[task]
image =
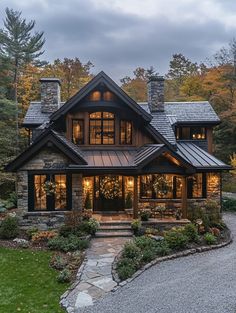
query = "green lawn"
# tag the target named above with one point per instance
(27, 283)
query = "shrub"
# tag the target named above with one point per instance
(31, 231)
(144, 242)
(190, 230)
(66, 244)
(131, 251)
(136, 226)
(58, 261)
(9, 228)
(66, 231)
(209, 239)
(125, 268)
(43, 236)
(229, 204)
(148, 255)
(162, 248)
(176, 239)
(11, 201)
(151, 231)
(144, 215)
(64, 276)
(89, 227)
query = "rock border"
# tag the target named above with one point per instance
(161, 259)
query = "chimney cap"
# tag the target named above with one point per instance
(50, 80)
(156, 78)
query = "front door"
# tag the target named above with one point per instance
(108, 193)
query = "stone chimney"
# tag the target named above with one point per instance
(155, 90)
(50, 94)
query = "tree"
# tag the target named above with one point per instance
(180, 68)
(21, 47)
(72, 72)
(136, 87)
(7, 142)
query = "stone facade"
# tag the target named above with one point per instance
(48, 158)
(50, 94)
(156, 93)
(77, 192)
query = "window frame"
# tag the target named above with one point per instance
(50, 200)
(179, 132)
(126, 121)
(102, 119)
(77, 120)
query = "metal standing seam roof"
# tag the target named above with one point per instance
(198, 157)
(146, 151)
(109, 158)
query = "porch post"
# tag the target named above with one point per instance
(184, 196)
(135, 200)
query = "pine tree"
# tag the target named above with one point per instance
(20, 47)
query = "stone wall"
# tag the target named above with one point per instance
(47, 159)
(77, 192)
(156, 93)
(50, 95)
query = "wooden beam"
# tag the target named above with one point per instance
(184, 196)
(135, 200)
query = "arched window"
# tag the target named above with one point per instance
(102, 128)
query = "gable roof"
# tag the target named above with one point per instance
(192, 112)
(187, 112)
(72, 151)
(98, 79)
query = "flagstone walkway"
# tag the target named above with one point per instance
(94, 278)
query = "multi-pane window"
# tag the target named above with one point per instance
(197, 186)
(160, 186)
(60, 192)
(40, 201)
(125, 132)
(191, 133)
(102, 128)
(168, 186)
(49, 192)
(78, 132)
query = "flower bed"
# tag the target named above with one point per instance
(145, 249)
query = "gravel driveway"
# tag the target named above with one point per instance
(201, 283)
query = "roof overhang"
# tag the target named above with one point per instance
(47, 139)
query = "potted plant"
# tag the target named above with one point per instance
(144, 215)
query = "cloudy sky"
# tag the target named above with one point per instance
(119, 35)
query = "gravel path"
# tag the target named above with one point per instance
(203, 283)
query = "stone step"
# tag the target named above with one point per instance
(115, 223)
(114, 228)
(109, 234)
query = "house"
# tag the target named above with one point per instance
(104, 147)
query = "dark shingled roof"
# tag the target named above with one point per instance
(76, 149)
(34, 116)
(192, 112)
(198, 157)
(162, 124)
(187, 112)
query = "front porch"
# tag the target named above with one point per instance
(123, 198)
